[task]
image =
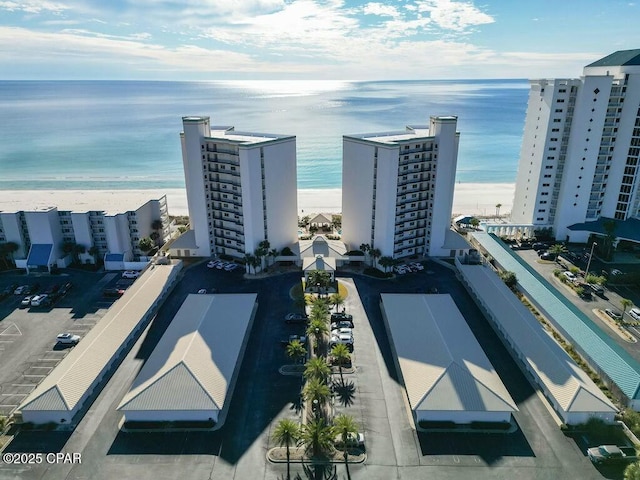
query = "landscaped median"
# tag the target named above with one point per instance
(297, 455)
(617, 328)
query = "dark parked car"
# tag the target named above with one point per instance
(295, 318)
(52, 289)
(539, 246)
(65, 289)
(112, 292)
(4, 293)
(548, 256)
(336, 317)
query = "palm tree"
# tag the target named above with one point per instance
(94, 251)
(498, 205)
(319, 279)
(317, 368)
(342, 356)
(625, 303)
(156, 224)
(317, 327)
(336, 221)
(255, 263)
(474, 222)
(316, 391)
(557, 249)
(632, 472)
(247, 262)
(364, 248)
(295, 350)
(345, 427)
(287, 433)
(273, 253)
(375, 254)
(146, 244)
(609, 238)
(385, 262)
(78, 250)
(336, 299)
(317, 437)
(11, 248)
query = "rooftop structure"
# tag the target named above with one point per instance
(570, 391)
(605, 355)
(191, 372)
(62, 394)
(446, 373)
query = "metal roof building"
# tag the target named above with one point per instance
(446, 373)
(604, 355)
(570, 391)
(191, 373)
(66, 389)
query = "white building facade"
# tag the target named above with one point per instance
(580, 149)
(397, 188)
(241, 188)
(105, 231)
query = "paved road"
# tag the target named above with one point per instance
(537, 451)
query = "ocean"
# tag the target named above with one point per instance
(107, 135)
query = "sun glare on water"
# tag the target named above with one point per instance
(288, 88)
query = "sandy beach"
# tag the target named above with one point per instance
(469, 198)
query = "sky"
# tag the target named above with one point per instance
(309, 39)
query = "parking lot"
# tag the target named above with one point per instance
(28, 346)
(538, 450)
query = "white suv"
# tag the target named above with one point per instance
(68, 338)
(635, 313)
(130, 274)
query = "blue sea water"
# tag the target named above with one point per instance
(125, 134)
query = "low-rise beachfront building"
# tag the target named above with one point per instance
(103, 227)
(191, 373)
(241, 189)
(446, 374)
(397, 188)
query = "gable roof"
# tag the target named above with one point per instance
(193, 364)
(68, 383)
(619, 58)
(320, 218)
(443, 366)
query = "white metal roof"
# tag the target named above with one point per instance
(63, 388)
(571, 387)
(192, 366)
(443, 366)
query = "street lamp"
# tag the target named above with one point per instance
(586, 273)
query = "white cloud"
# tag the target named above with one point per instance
(33, 6)
(374, 8)
(452, 15)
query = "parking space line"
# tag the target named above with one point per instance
(14, 328)
(49, 368)
(48, 359)
(13, 394)
(6, 341)
(22, 385)
(33, 376)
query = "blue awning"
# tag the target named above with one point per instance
(39, 255)
(628, 229)
(114, 257)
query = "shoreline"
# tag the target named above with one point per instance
(468, 198)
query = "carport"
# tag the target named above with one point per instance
(447, 376)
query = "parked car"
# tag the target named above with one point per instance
(611, 454)
(342, 324)
(615, 271)
(301, 338)
(212, 263)
(353, 440)
(569, 276)
(51, 289)
(68, 339)
(231, 266)
(295, 318)
(539, 246)
(202, 291)
(112, 292)
(342, 338)
(597, 289)
(336, 317)
(635, 313)
(130, 274)
(39, 300)
(613, 314)
(26, 301)
(548, 256)
(417, 266)
(341, 331)
(21, 290)
(8, 290)
(65, 289)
